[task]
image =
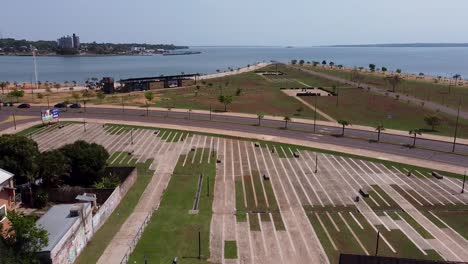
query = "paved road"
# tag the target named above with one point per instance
(394, 144)
(427, 104)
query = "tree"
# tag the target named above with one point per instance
(301, 62)
(22, 239)
(379, 128)
(331, 63)
(238, 91)
(394, 81)
(372, 67)
(315, 63)
(87, 162)
(433, 121)
(415, 133)
(293, 62)
(384, 69)
(457, 77)
(3, 85)
(324, 62)
(286, 119)
(17, 94)
(54, 168)
(149, 97)
(18, 155)
(226, 100)
(260, 116)
(398, 71)
(40, 96)
(356, 77)
(344, 124)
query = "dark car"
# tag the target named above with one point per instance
(7, 104)
(24, 106)
(60, 105)
(75, 106)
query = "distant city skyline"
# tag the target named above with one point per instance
(240, 23)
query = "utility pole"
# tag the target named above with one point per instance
(377, 244)
(463, 185)
(316, 162)
(315, 112)
(456, 128)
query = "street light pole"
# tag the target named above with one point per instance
(199, 242)
(210, 112)
(463, 185)
(377, 244)
(316, 162)
(14, 120)
(315, 112)
(456, 128)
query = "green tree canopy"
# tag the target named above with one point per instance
(433, 121)
(87, 162)
(54, 168)
(18, 155)
(226, 100)
(23, 239)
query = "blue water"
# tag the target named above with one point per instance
(431, 61)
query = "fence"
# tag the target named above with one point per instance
(137, 237)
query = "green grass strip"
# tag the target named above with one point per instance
(230, 249)
(172, 231)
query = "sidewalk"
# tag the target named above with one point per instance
(348, 150)
(281, 118)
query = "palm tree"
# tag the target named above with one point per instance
(286, 119)
(149, 97)
(456, 77)
(260, 116)
(394, 81)
(379, 128)
(415, 133)
(3, 85)
(344, 124)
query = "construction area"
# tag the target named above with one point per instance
(267, 202)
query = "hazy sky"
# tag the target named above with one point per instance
(238, 22)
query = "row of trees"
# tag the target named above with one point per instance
(80, 163)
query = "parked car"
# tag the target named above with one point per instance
(8, 104)
(75, 106)
(60, 105)
(24, 106)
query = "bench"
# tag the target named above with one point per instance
(437, 175)
(364, 193)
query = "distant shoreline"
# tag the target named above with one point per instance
(403, 45)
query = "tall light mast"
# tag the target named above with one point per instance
(35, 66)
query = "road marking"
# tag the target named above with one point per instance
(355, 219)
(354, 234)
(326, 231)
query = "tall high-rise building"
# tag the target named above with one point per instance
(69, 42)
(76, 41)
